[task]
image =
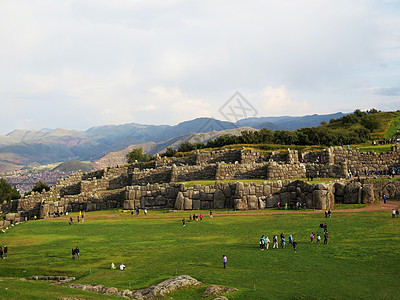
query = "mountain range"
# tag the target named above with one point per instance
(21, 148)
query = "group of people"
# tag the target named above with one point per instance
(265, 241)
(328, 213)
(318, 238)
(395, 213)
(121, 266)
(298, 206)
(80, 217)
(3, 252)
(137, 211)
(75, 253)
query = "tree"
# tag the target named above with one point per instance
(186, 147)
(137, 154)
(370, 122)
(323, 123)
(169, 152)
(7, 192)
(40, 186)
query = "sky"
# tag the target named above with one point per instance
(78, 64)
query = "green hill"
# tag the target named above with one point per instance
(74, 166)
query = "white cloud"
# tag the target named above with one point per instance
(277, 101)
(83, 63)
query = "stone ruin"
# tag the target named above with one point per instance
(156, 184)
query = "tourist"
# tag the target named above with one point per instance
(70, 221)
(190, 218)
(201, 218)
(132, 213)
(261, 244)
(183, 222)
(326, 213)
(275, 242)
(282, 235)
(122, 267)
(393, 213)
(312, 237)
(384, 198)
(283, 243)
(77, 218)
(224, 260)
(77, 252)
(325, 227)
(5, 250)
(397, 213)
(267, 241)
(295, 246)
(279, 206)
(285, 206)
(73, 253)
(211, 214)
(145, 212)
(321, 226)
(326, 237)
(83, 217)
(329, 213)
(318, 239)
(66, 213)
(1, 253)
(112, 266)
(290, 239)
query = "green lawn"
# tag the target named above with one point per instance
(361, 260)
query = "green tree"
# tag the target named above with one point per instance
(186, 147)
(7, 192)
(40, 186)
(137, 154)
(169, 152)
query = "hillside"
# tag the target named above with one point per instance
(118, 157)
(74, 166)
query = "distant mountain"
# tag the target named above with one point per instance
(74, 166)
(23, 147)
(287, 122)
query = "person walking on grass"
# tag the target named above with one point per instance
(325, 227)
(393, 213)
(5, 250)
(322, 227)
(73, 253)
(384, 198)
(295, 246)
(77, 253)
(318, 239)
(290, 239)
(183, 222)
(224, 260)
(261, 244)
(211, 215)
(329, 213)
(1, 253)
(283, 243)
(397, 213)
(326, 237)
(275, 242)
(267, 241)
(312, 237)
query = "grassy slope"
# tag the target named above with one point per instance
(358, 263)
(393, 128)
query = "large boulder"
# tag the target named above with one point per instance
(219, 199)
(179, 202)
(352, 193)
(368, 194)
(252, 202)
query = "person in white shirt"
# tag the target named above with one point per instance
(122, 267)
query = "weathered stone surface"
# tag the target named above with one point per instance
(179, 201)
(252, 202)
(168, 286)
(367, 194)
(219, 199)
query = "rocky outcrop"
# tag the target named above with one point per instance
(161, 289)
(214, 290)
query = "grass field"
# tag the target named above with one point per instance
(360, 261)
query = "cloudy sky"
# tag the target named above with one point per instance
(77, 64)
